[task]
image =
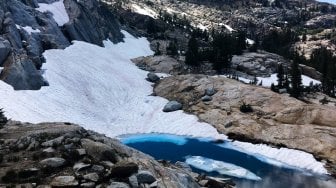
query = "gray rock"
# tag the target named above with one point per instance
(210, 91)
(54, 142)
(4, 49)
(124, 169)
(49, 150)
(22, 74)
(154, 185)
(64, 181)
(91, 177)
(98, 169)
(206, 98)
(98, 150)
(81, 152)
(88, 185)
(145, 177)
(118, 185)
(107, 164)
(53, 162)
(172, 106)
(152, 77)
(81, 166)
(133, 181)
(283, 90)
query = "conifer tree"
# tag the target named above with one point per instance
(192, 52)
(281, 76)
(296, 80)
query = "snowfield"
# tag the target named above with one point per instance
(58, 11)
(102, 90)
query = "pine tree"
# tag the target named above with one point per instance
(222, 51)
(296, 80)
(172, 48)
(281, 76)
(192, 53)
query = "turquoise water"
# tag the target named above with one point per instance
(207, 155)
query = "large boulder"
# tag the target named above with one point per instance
(23, 75)
(64, 181)
(145, 177)
(172, 106)
(99, 151)
(124, 169)
(53, 162)
(4, 49)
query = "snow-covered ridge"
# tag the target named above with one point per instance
(57, 9)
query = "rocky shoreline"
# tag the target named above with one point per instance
(276, 119)
(66, 155)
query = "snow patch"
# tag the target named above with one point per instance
(249, 41)
(267, 81)
(210, 165)
(60, 15)
(144, 11)
(281, 156)
(227, 27)
(28, 29)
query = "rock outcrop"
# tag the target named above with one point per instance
(80, 158)
(276, 118)
(26, 32)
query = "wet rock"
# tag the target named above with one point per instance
(124, 169)
(64, 181)
(152, 77)
(91, 177)
(145, 177)
(172, 106)
(118, 185)
(53, 162)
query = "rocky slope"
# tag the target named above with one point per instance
(26, 31)
(66, 155)
(276, 119)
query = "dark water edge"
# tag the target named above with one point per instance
(272, 176)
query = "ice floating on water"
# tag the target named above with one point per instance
(210, 165)
(178, 140)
